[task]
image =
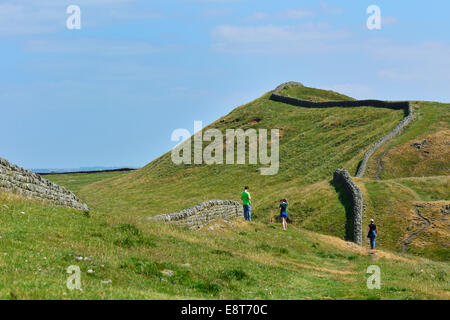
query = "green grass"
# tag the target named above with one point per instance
(402, 160)
(307, 93)
(75, 181)
(247, 262)
(428, 188)
(392, 204)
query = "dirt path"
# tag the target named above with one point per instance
(408, 240)
(380, 163)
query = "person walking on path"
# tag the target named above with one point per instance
(372, 234)
(246, 201)
(283, 213)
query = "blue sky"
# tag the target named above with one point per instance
(112, 92)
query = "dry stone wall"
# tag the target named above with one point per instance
(31, 185)
(343, 178)
(204, 213)
(395, 105)
(409, 117)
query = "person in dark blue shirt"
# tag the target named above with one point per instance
(372, 234)
(283, 212)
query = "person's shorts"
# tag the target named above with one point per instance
(283, 215)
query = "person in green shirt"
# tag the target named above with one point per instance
(246, 201)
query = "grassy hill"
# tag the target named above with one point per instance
(132, 259)
(313, 143)
(400, 158)
(405, 189)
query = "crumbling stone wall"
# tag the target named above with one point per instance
(204, 213)
(31, 185)
(343, 178)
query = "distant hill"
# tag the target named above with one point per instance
(80, 169)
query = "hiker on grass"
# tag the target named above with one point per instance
(245, 196)
(283, 212)
(372, 234)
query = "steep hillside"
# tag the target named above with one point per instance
(313, 143)
(150, 259)
(422, 150)
(412, 214)
(125, 258)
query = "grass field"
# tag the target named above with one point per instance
(131, 257)
(307, 93)
(400, 159)
(128, 256)
(392, 203)
(75, 181)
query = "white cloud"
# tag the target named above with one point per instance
(288, 14)
(330, 9)
(310, 37)
(93, 46)
(393, 74)
(217, 12)
(388, 20)
(355, 90)
(425, 61)
(19, 17)
(258, 16)
(430, 51)
(298, 13)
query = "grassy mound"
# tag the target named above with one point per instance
(313, 143)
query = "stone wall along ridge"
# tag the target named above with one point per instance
(395, 105)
